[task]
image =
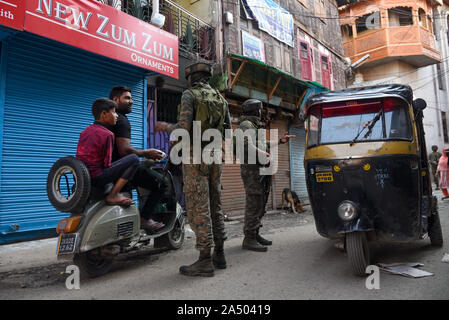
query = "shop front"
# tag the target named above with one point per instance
(56, 58)
(283, 96)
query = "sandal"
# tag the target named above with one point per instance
(124, 202)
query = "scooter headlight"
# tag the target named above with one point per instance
(347, 211)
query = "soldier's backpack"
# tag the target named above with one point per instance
(210, 108)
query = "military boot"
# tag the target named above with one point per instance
(262, 240)
(202, 267)
(218, 257)
(250, 243)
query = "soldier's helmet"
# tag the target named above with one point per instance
(198, 67)
(251, 105)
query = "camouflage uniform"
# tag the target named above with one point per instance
(202, 183)
(256, 196)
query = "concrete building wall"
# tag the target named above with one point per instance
(424, 82)
(430, 83)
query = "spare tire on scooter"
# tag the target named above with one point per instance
(68, 185)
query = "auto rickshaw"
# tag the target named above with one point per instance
(367, 169)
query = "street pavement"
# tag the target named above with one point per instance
(300, 265)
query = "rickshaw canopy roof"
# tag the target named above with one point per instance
(403, 92)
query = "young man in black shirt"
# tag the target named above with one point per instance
(144, 177)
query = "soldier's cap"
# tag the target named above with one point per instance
(198, 67)
(251, 105)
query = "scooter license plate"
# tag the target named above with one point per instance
(66, 243)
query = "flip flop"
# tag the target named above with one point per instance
(124, 202)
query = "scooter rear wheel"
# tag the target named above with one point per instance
(92, 264)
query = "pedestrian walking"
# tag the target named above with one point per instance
(202, 182)
(443, 171)
(434, 158)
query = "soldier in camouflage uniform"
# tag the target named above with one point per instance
(256, 186)
(202, 182)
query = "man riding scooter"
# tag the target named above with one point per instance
(145, 177)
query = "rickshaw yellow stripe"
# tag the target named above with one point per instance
(361, 149)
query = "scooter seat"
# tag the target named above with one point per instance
(100, 192)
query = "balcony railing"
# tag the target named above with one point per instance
(413, 43)
(195, 35)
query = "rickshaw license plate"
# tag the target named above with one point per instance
(324, 177)
(66, 243)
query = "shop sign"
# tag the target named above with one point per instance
(272, 18)
(252, 47)
(99, 28)
(12, 13)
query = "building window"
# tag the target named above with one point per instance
(422, 18)
(306, 60)
(325, 72)
(440, 77)
(400, 16)
(346, 32)
(287, 62)
(167, 105)
(368, 22)
(277, 57)
(443, 119)
(320, 9)
(447, 25)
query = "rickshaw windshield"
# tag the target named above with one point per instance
(359, 121)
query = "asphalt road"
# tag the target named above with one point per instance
(300, 265)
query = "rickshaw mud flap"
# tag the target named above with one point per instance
(361, 225)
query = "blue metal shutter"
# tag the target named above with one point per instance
(297, 172)
(50, 88)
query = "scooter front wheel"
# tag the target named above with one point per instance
(92, 264)
(175, 238)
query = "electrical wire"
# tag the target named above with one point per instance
(336, 17)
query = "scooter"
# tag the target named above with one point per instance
(95, 233)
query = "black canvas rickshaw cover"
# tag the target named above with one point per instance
(403, 92)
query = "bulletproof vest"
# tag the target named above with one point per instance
(210, 108)
(260, 143)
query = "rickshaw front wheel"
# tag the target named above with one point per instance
(435, 231)
(358, 252)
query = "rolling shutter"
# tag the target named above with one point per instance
(233, 194)
(233, 197)
(297, 149)
(50, 88)
(281, 179)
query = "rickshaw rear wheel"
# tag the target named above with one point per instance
(435, 231)
(358, 252)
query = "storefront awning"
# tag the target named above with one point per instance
(97, 28)
(252, 78)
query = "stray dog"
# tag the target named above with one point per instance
(292, 200)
